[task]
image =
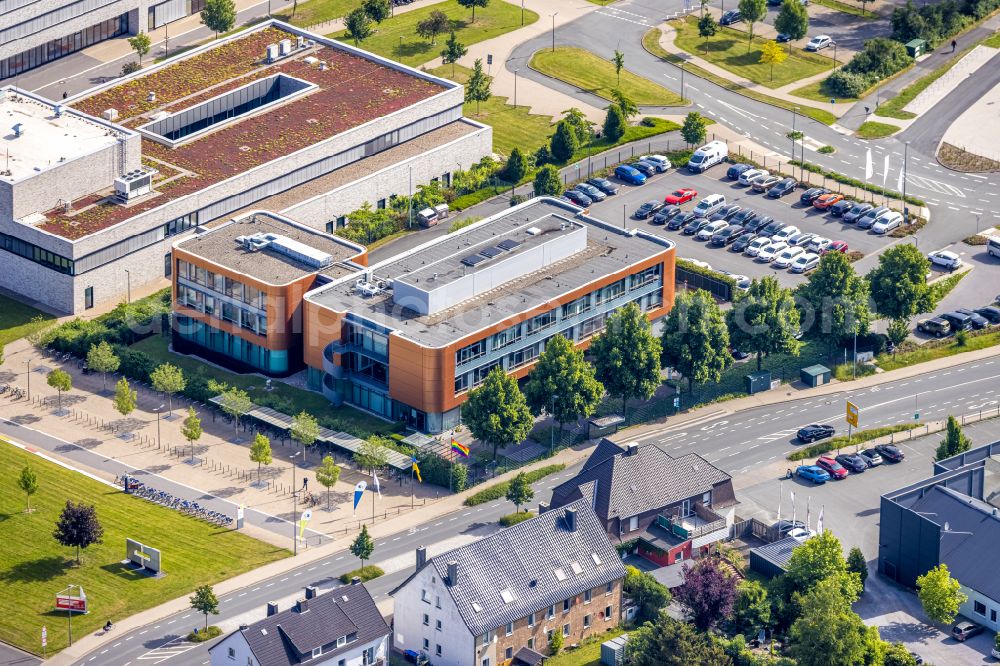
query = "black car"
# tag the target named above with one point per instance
(647, 209)
(744, 217)
(737, 170)
(578, 197)
(604, 185)
(857, 210)
(695, 225)
(758, 223)
(742, 242)
(838, 209)
(591, 191)
(646, 168)
(782, 188)
(959, 321)
(991, 313)
(812, 194)
(890, 452)
(730, 17)
(771, 229)
(681, 220)
(852, 462)
(663, 215)
(783, 37)
(727, 212)
(813, 432)
(978, 320)
(727, 235)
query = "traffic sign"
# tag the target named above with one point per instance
(853, 414)
(916, 416)
(45, 637)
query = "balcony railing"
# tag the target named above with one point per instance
(703, 521)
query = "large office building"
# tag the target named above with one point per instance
(94, 191)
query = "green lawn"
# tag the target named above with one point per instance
(728, 49)
(817, 91)
(16, 320)
(397, 37)
(596, 75)
(939, 349)
(318, 11)
(848, 8)
(875, 130)
(993, 41)
(34, 567)
(588, 654)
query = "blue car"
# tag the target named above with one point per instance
(813, 473)
(630, 175)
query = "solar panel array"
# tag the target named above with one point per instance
(491, 252)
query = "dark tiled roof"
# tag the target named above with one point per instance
(779, 552)
(524, 559)
(527, 657)
(289, 637)
(625, 485)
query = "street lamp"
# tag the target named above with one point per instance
(835, 54)
(522, 12)
(69, 610)
(554, 31)
(409, 204)
(552, 439)
(906, 209)
(128, 285)
(795, 111)
(295, 508)
(682, 81)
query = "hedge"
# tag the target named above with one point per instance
(827, 445)
(123, 326)
(499, 490)
(854, 182)
(515, 518)
(365, 573)
(705, 272)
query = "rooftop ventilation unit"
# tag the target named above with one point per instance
(272, 52)
(18, 129)
(59, 108)
(300, 42)
(285, 47)
(288, 247)
(134, 184)
(533, 231)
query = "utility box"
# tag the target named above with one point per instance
(815, 375)
(916, 47)
(758, 381)
(613, 651)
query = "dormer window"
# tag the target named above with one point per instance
(342, 641)
(317, 651)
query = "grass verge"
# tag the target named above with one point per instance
(943, 287)
(499, 490)
(365, 573)
(318, 11)
(587, 654)
(18, 320)
(515, 518)
(397, 38)
(827, 445)
(594, 74)
(943, 348)
(33, 566)
(847, 9)
(818, 91)
(871, 129)
(651, 42)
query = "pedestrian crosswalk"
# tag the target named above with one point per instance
(169, 649)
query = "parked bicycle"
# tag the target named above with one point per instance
(163, 498)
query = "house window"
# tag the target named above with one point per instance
(342, 662)
(437, 601)
(993, 615)
(486, 638)
(510, 628)
(317, 651)
(342, 641)
(610, 588)
(607, 612)
(341, 221)
(531, 620)
(167, 265)
(586, 622)
(232, 653)
(329, 227)
(680, 556)
(427, 619)
(486, 661)
(633, 523)
(979, 608)
(427, 644)
(437, 625)
(565, 630)
(586, 596)
(508, 653)
(88, 298)
(552, 612)
(531, 643)
(437, 649)
(424, 597)
(566, 605)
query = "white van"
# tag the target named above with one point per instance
(993, 246)
(712, 153)
(709, 205)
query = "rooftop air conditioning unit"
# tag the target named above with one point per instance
(59, 108)
(134, 184)
(272, 52)
(300, 42)
(151, 96)
(534, 231)
(110, 114)
(285, 47)
(18, 129)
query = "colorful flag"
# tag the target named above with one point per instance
(378, 487)
(459, 448)
(885, 170)
(900, 185)
(359, 490)
(304, 520)
(416, 468)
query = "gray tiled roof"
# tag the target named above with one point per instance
(524, 559)
(289, 637)
(779, 552)
(628, 485)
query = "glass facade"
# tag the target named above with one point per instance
(231, 346)
(58, 48)
(222, 297)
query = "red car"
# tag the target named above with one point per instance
(835, 246)
(825, 201)
(832, 467)
(680, 196)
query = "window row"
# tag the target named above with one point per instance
(223, 310)
(222, 284)
(57, 48)
(368, 340)
(36, 254)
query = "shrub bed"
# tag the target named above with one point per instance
(515, 518)
(879, 59)
(827, 445)
(499, 490)
(854, 182)
(203, 635)
(365, 573)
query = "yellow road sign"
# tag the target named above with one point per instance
(853, 414)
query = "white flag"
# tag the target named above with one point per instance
(819, 521)
(807, 510)
(869, 169)
(793, 507)
(885, 170)
(902, 177)
(378, 487)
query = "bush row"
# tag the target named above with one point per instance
(827, 445)
(938, 21)
(879, 59)
(705, 272)
(515, 518)
(499, 490)
(854, 182)
(125, 325)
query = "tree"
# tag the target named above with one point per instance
(695, 339)
(708, 592)
(752, 12)
(260, 452)
(496, 412)
(772, 54)
(792, 20)
(896, 654)
(954, 442)
(101, 358)
(651, 595)
(693, 129)
(818, 558)
(219, 16)
(619, 60)
(899, 286)
(141, 44)
(614, 123)
(304, 430)
(473, 4)
(519, 491)
(363, 546)
(453, 50)
(477, 88)
(372, 454)
(204, 601)
(61, 381)
(752, 608)
(547, 181)
(78, 527)
(432, 26)
(235, 402)
(377, 10)
(827, 632)
(837, 298)
(562, 383)
(27, 481)
(582, 128)
(555, 641)
(707, 27)
(857, 564)
(359, 26)
(563, 143)
(327, 475)
(940, 594)
(625, 103)
(764, 320)
(516, 167)
(672, 643)
(168, 379)
(191, 430)
(125, 398)
(627, 356)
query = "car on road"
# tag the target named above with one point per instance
(750, 175)
(835, 246)
(695, 225)
(731, 17)
(713, 203)
(659, 161)
(785, 258)
(765, 183)
(786, 233)
(838, 209)
(771, 252)
(710, 229)
(887, 223)
(771, 228)
(812, 194)
(681, 220)
(812, 473)
(990, 312)
(978, 320)
(814, 431)
(868, 220)
(756, 245)
(646, 167)
(964, 629)
(665, 214)
(629, 175)
(578, 197)
(742, 242)
(856, 211)
(591, 191)
(758, 223)
(604, 185)
(852, 462)
(733, 172)
(871, 457)
(805, 262)
(782, 187)
(945, 259)
(832, 467)
(647, 209)
(680, 196)
(819, 42)
(935, 326)
(818, 244)
(824, 201)
(890, 452)
(727, 235)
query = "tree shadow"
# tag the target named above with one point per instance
(156, 469)
(35, 571)
(229, 491)
(128, 425)
(7, 376)
(26, 419)
(717, 45)
(88, 443)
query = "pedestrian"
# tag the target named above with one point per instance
(64, 92)
(953, 45)
(867, 111)
(305, 484)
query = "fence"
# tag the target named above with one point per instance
(720, 289)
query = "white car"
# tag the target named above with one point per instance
(805, 262)
(801, 533)
(742, 281)
(770, 253)
(786, 234)
(711, 229)
(661, 162)
(945, 259)
(749, 175)
(756, 245)
(819, 42)
(818, 243)
(887, 223)
(801, 239)
(787, 256)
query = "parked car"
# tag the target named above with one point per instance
(645, 167)
(771, 252)
(782, 188)
(604, 185)
(978, 320)
(811, 433)
(758, 223)
(647, 209)
(756, 245)
(856, 211)
(727, 211)
(890, 452)
(805, 262)
(591, 191)
(680, 196)
(812, 194)
(707, 156)
(681, 220)
(742, 283)
(710, 229)
(750, 174)
(727, 235)
(835, 246)
(838, 209)
(665, 214)
(783, 527)
(801, 533)
(731, 17)
(660, 161)
(710, 204)
(742, 242)
(785, 258)
(824, 201)
(945, 259)
(817, 244)
(744, 217)
(919, 661)
(764, 183)
(812, 473)
(819, 42)
(852, 462)
(733, 172)
(935, 326)
(772, 228)
(629, 175)
(958, 321)
(871, 456)
(868, 220)
(832, 467)
(991, 313)
(887, 223)
(782, 37)
(578, 197)
(965, 629)
(695, 225)
(786, 233)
